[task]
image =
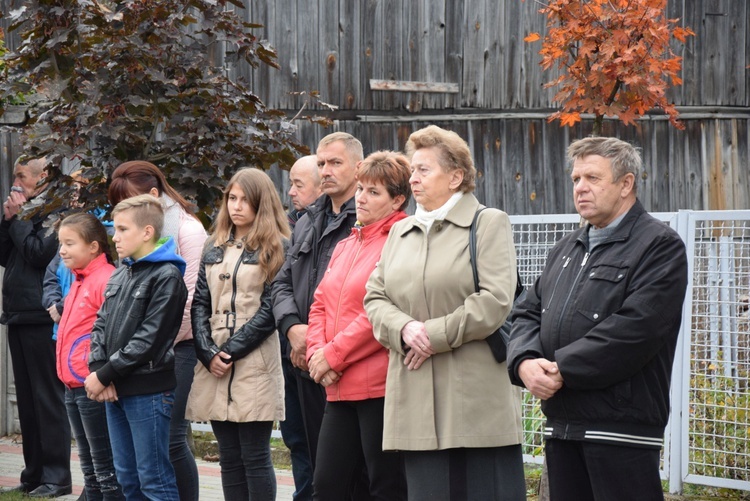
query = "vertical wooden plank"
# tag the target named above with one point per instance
(494, 76)
(433, 49)
(372, 67)
(394, 50)
(412, 64)
(287, 40)
(472, 79)
(455, 24)
(713, 65)
(515, 48)
(328, 34)
(350, 55)
(310, 50)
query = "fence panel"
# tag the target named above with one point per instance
(715, 393)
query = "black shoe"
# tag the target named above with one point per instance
(22, 488)
(51, 491)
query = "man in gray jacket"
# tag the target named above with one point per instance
(327, 221)
(595, 337)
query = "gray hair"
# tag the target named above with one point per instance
(624, 157)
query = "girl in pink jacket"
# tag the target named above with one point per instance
(85, 250)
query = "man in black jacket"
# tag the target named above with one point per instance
(596, 336)
(304, 190)
(326, 222)
(26, 248)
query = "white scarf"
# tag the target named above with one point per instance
(428, 217)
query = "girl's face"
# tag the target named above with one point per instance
(74, 251)
(240, 211)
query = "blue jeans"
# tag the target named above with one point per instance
(245, 459)
(88, 422)
(183, 461)
(139, 432)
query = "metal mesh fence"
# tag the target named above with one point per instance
(534, 236)
(718, 396)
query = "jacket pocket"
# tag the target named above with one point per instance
(111, 290)
(139, 300)
(78, 358)
(603, 292)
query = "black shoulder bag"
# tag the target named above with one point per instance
(499, 339)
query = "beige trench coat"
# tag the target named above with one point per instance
(459, 397)
(257, 387)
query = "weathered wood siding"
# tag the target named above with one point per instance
(522, 169)
(336, 47)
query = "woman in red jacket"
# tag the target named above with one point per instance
(342, 352)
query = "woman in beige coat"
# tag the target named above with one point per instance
(449, 406)
(238, 383)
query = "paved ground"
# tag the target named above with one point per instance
(11, 464)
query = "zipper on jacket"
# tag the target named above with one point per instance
(557, 282)
(573, 287)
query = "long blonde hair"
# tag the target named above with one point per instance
(270, 226)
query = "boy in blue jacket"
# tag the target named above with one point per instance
(131, 359)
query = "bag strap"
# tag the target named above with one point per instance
(473, 255)
(473, 247)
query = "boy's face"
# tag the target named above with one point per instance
(131, 240)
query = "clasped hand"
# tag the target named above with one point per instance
(415, 337)
(320, 369)
(541, 377)
(95, 390)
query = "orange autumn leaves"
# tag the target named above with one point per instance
(614, 58)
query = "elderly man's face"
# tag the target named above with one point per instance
(24, 178)
(598, 198)
(304, 187)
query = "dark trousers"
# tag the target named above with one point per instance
(584, 471)
(180, 455)
(293, 433)
(41, 405)
(88, 422)
(312, 401)
(245, 459)
(352, 437)
(466, 474)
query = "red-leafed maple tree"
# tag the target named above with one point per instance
(615, 58)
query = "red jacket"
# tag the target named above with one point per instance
(338, 322)
(81, 305)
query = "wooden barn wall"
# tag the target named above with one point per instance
(336, 47)
(522, 169)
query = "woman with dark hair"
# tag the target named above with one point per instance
(342, 353)
(239, 385)
(138, 178)
(449, 406)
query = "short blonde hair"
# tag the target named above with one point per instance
(146, 210)
(453, 152)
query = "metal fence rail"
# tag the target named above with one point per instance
(707, 440)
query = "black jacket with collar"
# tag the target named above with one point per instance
(133, 336)
(610, 319)
(310, 250)
(26, 248)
